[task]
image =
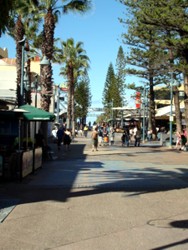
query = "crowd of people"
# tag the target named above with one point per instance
(132, 135)
(103, 134)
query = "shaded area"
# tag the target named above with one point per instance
(180, 224)
(72, 175)
(181, 242)
(78, 178)
(6, 206)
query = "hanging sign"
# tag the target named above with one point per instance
(138, 100)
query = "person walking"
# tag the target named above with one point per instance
(100, 136)
(149, 134)
(111, 135)
(178, 140)
(85, 130)
(125, 138)
(67, 139)
(183, 141)
(54, 134)
(131, 135)
(94, 137)
(60, 135)
(137, 137)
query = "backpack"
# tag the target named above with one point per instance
(100, 133)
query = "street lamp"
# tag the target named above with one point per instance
(45, 61)
(58, 94)
(36, 86)
(24, 78)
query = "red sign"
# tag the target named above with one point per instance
(138, 100)
(63, 87)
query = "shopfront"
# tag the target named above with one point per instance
(18, 155)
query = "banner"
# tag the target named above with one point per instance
(138, 100)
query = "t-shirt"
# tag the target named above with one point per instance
(60, 133)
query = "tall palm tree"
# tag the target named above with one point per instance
(23, 23)
(50, 10)
(19, 36)
(75, 64)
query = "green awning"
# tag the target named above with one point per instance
(36, 114)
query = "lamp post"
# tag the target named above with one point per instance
(58, 90)
(35, 85)
(24, 78)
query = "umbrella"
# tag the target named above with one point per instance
(36, 114)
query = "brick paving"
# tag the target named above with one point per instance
(115, 198)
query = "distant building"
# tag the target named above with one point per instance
(3, 53)
(8, 84)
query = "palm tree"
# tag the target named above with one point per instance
(50, 10)
(23, 23)
(75, 64)
(6, 7)
(19, 36)
(34, 10)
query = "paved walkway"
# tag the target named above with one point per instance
(115, 198)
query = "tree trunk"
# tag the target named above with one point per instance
(19, 34)
(73, 111)
(47, 50)
(69, 108)
(186, 100)
(46, 87)
(177, 109)
(151, 122)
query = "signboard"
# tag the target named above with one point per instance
(92, 115)
(138, 100)
(63, 87)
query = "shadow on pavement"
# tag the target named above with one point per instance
(56, 180)
(171, 245)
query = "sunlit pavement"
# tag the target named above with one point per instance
(131, 169)
(115, 198)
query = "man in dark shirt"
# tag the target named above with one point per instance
(60, 135)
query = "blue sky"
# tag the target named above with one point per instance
(100, 31)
